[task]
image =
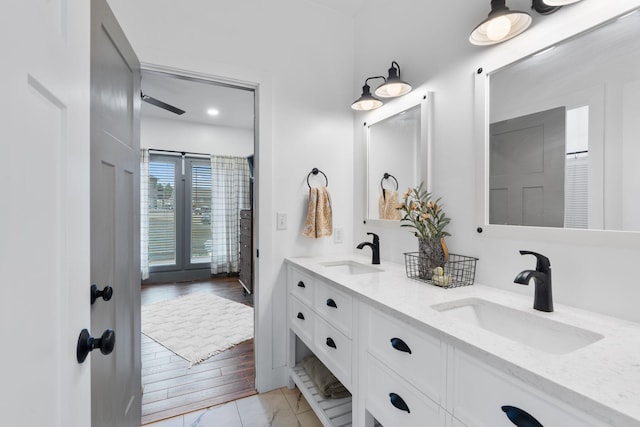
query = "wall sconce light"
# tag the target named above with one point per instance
(393, 86)
(367, 102)
(501, 25)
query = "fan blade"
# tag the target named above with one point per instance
(163, 105)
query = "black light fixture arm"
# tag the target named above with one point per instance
(392, 68)
(366, 82)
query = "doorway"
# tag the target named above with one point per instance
(199, 170)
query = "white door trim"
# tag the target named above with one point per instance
(268, 377)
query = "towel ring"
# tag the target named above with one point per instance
(387, 176)
(316, 171)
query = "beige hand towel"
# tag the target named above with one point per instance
(388, 205)
(319, 216)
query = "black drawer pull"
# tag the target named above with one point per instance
(520, 418)
(398, 402)
(332, 303)
(331, 343)
(300, 316)
(400, 345)
(301, 284)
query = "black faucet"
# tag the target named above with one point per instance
(543, 299)
(375, 248)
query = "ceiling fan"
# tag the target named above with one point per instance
(163, 105)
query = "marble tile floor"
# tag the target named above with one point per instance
(277, 408)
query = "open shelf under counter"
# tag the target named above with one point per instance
(331, 412)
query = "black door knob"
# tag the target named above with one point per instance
(106, 293)
(331, 343)
(301, 284)
(87, 343)
(300, 316)
(332, 303)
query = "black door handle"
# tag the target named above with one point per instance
(400, 345)
(398, 402)
(332, 303)
(300, 316)
(106, 293)
(520, 417)
(331, 343)
(301, 284)
(87, 343)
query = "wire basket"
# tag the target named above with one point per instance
(458, 270)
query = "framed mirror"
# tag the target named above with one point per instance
(561, 133)
(397, 145)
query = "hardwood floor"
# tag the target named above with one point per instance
(170, 387)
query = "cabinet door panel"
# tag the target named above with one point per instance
(335, 306)
(417, 357)
(334, 349)
(395, 403)
(301, 285)
(480, 391)
(301, 319)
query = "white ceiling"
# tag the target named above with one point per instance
(236, 106)
(349, 7)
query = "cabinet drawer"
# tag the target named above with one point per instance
(334, 349)
(301, 319)
(301, 286)
(384, 388)
(415, 356)
(479, 392)
(335, 306)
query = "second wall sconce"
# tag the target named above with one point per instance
(392, 87)
(503, 24)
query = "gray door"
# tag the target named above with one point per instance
(115, 219)
(527, 170)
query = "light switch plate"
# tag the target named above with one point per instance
(281, 221)
(338, 234)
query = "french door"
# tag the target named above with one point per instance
(180, 236)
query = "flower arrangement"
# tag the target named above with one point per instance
(423, 214)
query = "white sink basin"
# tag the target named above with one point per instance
(538, 332)
(350, 267)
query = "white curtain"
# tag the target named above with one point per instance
(229, 195)
(144, 213)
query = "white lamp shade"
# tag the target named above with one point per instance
(366, 104)
(559, 2)
(500, 27)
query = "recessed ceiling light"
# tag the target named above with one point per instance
(213, 112)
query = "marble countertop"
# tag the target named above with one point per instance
(601, 379)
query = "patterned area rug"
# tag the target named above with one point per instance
(197, 326)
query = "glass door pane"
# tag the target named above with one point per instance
(162, 213)
(200, 212)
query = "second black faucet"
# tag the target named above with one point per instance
(375, 248)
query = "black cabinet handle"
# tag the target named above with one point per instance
(400, 345)
(106, 293)
(301, 284)
(398, 402)
(300, 316)
(520, 417)
(331, 343)
(332, 303)
(87, 343)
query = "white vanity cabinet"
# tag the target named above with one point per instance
(321, 316)
(477, 392)
(405, 372)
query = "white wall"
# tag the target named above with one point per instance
(301, 57)
(166, 134)
(429, 41)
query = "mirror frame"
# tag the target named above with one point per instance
(411, 100)
(588, 237)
